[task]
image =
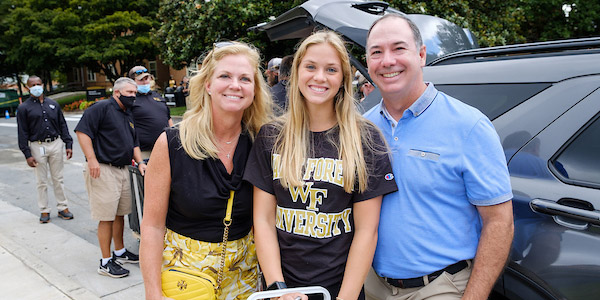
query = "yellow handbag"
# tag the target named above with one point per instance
(183, 284)
(188, 284)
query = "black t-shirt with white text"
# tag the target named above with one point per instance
(315, 223)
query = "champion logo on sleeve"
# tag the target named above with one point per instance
(389, 176)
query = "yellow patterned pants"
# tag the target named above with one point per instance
(240, 273)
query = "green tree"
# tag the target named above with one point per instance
(113, 36)
(29, 37)
(189, 28)
(555, 19)
(493, 22)
(502, 22)
(41, 36)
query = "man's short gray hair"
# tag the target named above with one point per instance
(121, 82)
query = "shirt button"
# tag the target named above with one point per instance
(393, 125)
(395, 138)
(44, 111)
(47, 128)
(45, 119)
(423, 154)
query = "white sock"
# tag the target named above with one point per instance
(119, 252)
(105, 261)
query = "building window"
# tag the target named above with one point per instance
(111, 69)
(152, 68)
(91, 76)
(76, 77)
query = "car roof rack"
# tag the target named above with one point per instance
(539, 49)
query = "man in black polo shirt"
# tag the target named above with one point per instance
(150, 112)
(107, 137)
(40, 123)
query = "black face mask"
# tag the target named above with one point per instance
(127, 101)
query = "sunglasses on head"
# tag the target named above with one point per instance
(140, 71)
(223, 44)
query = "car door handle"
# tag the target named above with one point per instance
(557, 210)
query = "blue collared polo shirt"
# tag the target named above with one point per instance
(447, 159)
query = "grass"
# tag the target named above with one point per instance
(177, 111)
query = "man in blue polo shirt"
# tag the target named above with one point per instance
(107, 138)
(150, 112)
(447, 232)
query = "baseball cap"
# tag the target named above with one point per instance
(274, 63)
(138, 72)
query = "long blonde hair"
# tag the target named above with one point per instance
(196, 128)
(293, 143)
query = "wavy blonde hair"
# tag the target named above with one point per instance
(196, 129)
(292, 142)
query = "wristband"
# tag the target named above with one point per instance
(277, 285)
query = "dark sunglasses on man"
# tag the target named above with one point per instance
(140, 71)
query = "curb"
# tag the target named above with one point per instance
(56, 279)
(33, 263)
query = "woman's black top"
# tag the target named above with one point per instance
(200, 190)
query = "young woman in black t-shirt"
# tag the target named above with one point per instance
(319, 174)
(194, 166)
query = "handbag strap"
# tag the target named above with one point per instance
(227, 223)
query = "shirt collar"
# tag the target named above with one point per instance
(116, 105)
(386, 114)
(418, 107)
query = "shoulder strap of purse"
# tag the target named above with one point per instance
(227, 223)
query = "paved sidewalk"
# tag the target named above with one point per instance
(44, 261)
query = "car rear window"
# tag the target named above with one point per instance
(493, 99)
(579, 162)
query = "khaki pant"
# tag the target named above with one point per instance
(51, 158)
(109, 194)
(445, 287)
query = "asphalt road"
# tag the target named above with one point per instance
(18, 185)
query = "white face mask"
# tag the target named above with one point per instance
(37, 90)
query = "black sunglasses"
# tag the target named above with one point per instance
(140, 71)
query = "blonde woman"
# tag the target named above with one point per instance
(192, 170)
(319, 174)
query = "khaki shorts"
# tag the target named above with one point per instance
(109, 194)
